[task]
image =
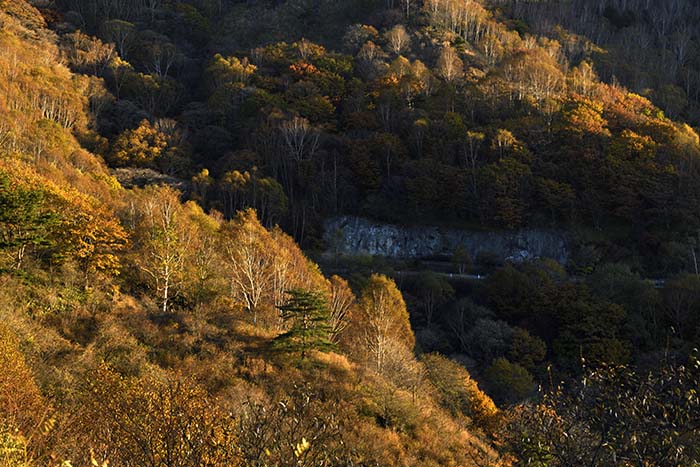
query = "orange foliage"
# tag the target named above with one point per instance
(302, 68)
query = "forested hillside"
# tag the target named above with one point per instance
(163, 162)
(445, 112)
(650, 47)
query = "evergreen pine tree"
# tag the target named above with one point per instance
(308, 314)
(25, 220)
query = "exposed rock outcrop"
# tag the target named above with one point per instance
(358, 236)
(130, 177)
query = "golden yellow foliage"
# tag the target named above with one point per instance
(141, 146)
(459, 393)
(154, 421)
(21, 403)
(86, 230)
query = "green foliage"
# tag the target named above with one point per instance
(25, 220)
(591, 332)
(508, 382)
(526, 350)
(307, 316)
(197, 27)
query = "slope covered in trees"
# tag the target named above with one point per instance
(138, 329)
(435, 111)
(163, 327)
(650, 47)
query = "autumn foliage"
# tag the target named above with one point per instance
(163, 163)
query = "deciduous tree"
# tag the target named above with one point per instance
(161, 239)
(382, 319)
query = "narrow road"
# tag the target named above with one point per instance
(657, 283)
(446, 275)
(441, 269)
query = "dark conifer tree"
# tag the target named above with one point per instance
(308, 315)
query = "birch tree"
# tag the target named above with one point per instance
(384, 317)
(162, 240)
(249, 261)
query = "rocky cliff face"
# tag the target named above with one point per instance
(358, 236)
